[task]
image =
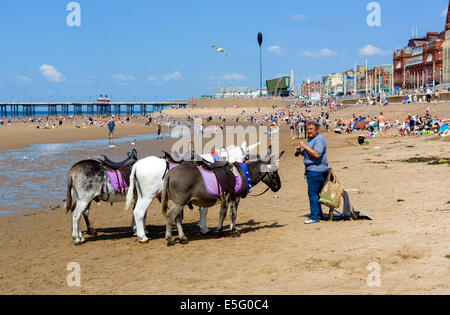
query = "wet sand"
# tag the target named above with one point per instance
(19, 135)
(276, 253)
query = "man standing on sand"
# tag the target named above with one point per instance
(314, 152)
(159, 131)
(382, 125)
(111, 126)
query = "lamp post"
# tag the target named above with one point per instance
(260, 41)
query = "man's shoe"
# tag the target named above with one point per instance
(312, 221)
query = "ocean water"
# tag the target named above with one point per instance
(35, 177)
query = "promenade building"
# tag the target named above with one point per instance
(379, 80)
(334, 83)
(446, 53)
(309, 87)
(279, 87)
(425, 61)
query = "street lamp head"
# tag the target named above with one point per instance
(260, 39)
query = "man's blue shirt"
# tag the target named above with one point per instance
(318, 144)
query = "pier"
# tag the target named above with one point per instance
(99, 108)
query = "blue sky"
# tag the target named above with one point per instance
(157, 50)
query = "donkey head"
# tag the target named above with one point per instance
(269, 169)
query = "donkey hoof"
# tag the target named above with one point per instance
(170, 241)
(144, 240)
(235, 234)
(92, 232)
(205, 231)
(80, 242)
(184, 240)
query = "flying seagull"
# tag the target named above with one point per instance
(219, 50)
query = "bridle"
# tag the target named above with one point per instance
(268, 188)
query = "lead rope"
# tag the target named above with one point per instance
(268, 188)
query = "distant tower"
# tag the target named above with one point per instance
(292, 82)
(445, 53)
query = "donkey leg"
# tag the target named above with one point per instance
(90, 228)
(203, 226)
(140, 211)
(181, 236)
(76, 217)
(173, 213)
(234, 205)
(222, 216)
(133, 223)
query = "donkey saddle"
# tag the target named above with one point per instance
(222, 170)
(119, 172)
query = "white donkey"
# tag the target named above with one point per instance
(147, 177)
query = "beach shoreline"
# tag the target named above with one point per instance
(276, 253)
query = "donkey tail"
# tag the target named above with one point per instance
(68, 205)
(165, 195)
(130, 193)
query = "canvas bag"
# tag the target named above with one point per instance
(332, 191)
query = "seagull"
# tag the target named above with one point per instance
(219, 50)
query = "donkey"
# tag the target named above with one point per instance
(146, 183)
(301, 129)
(186, 185)
(89, 181)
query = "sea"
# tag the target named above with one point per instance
(34, 178)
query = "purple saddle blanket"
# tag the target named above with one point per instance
(117, 181)
(210, 180)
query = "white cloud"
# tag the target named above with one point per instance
(234, 77)
(276, 50)
(319, 54)
(176, 76)
(444, 13)
(159, 80)
(299, 17)
(50, 73)
(22, 79)
(122, 79)
(371, 50)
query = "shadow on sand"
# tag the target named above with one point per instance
(191, 230)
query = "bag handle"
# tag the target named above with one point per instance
(332, 177)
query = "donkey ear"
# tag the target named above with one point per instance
(244, 145)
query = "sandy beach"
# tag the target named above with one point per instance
(276, 253)
(19, 135)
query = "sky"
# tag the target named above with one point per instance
(148, 50)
